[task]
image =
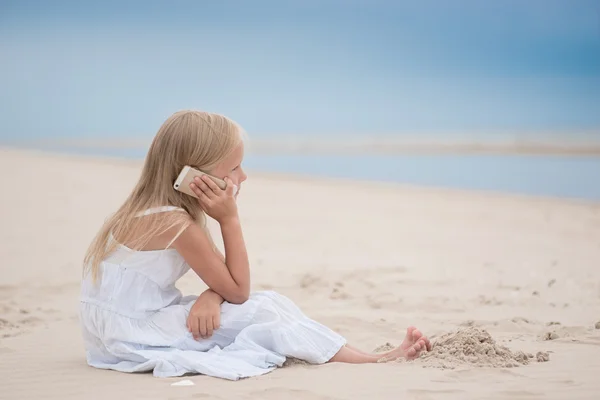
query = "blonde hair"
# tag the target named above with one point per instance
(195, 138)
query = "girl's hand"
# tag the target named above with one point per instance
(217, 203)
(205, 315)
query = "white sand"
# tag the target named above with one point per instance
(365, 259)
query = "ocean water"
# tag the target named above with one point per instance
(539, 175)
(574, 177)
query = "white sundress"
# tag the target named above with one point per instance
(134, 320)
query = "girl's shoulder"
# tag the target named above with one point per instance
(158, 227)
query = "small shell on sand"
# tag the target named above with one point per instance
(185, 382)
(597, 326)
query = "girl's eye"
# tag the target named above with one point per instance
(235, 168)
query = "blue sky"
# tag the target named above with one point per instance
(119, 68)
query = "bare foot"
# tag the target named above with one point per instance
(414, 343)
(412, 346)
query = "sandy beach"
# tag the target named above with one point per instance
(366, 259)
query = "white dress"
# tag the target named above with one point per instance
(134, 319)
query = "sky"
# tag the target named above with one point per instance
(119, 68)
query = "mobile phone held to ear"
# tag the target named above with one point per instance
(187, 175)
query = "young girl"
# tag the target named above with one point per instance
(135, 319)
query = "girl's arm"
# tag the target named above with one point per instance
(205, 315)
(211, 292)
(229, 278)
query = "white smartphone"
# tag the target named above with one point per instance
(187, 175)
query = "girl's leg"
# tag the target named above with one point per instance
(351, 356)
(270, 307)
(412, 346)
(360, 351)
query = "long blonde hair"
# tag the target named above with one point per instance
(196, 138)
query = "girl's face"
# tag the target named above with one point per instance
(231, 167)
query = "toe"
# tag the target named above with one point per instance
(411, 352)
(410, 332)
(416, 335)
(427, 344)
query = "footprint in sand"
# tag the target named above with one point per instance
(337, 294)
(310, 281)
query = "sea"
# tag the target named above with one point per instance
(562, 176)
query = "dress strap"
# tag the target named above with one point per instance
(157, 210)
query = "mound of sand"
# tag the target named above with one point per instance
(474, 347)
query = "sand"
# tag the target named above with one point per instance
(476, 347)
(492, 278)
